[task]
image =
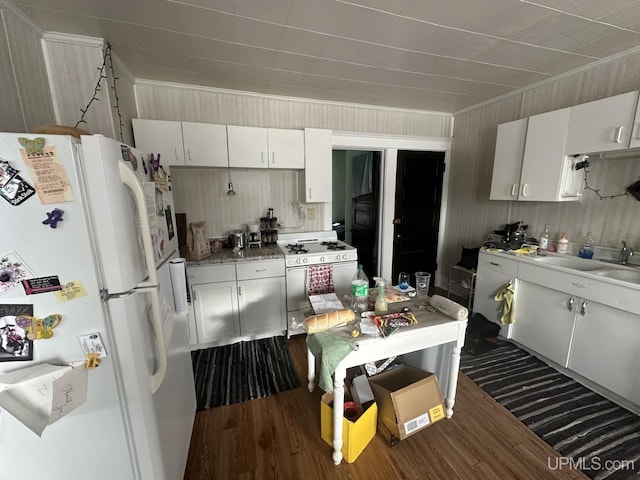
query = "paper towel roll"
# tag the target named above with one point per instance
(177, 269)
(449, 307)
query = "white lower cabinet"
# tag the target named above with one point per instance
(606, 348)
(215, 307)
(242, 301)
(544, 321)
(575, 320)
(262, 305)
(493, 274)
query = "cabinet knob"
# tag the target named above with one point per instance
(570, 304)
(583, 308)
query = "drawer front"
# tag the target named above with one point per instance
(498, 263)
(211, 273)
(266, 269)
(582, 286)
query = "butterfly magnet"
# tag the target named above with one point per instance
(38, 328)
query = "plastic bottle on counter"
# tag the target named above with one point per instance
(543, 242)
(381, 305)
(360, 291)
(588, 245)
(563, 243)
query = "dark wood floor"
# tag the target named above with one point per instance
(278, 437)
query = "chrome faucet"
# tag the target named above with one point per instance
(625, 253)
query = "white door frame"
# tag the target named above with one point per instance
(389, 146)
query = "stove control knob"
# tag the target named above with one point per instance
(338, 258)
(304, 260)
(344, 257)
(297, 261)
(322, 259)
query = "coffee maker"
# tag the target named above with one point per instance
(254, 238)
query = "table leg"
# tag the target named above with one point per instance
(454, 368)
(311, 370)
(453, 380)
(338, 408)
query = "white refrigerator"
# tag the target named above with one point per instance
(88, 234)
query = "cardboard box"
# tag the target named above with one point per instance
(355, 435)
(409, 400)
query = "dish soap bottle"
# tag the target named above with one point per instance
(381, 306)
(563, 243)
(543, 242)
(360, 291)
(586, 251)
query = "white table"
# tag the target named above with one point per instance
(433, 329)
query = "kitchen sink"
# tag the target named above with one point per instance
(623, 274)
(574, 263)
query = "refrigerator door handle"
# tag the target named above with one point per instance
(158, 333)
(151, 286)
(130, 180)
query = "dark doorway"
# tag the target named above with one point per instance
(417, 212)
(365, 199)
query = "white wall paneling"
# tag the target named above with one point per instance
(73, 87)
(201, 193)
(24, 96)
(162, 101)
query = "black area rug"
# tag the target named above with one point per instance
(242, 371)
(591, 433)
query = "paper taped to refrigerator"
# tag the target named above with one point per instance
(42, 394)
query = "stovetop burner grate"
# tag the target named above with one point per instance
(334, 246)
(297, 249)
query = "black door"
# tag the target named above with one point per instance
(417, 212)
(365, 201)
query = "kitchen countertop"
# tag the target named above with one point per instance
(226, 255)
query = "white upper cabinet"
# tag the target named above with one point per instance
(248, 147)
(507, 163)
(286, 148)
(160, 136)
(254, 147)
(205, 144)
(532, 166)
(318, 166)
(603, 125)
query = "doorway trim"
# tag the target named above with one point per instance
(389, 146)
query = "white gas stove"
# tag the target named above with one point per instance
(305, 250)
(315, 248)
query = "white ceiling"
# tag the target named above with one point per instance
(437, 55)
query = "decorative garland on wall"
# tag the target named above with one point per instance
(585, 165)
(107, 62)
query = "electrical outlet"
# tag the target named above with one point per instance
(311, 213)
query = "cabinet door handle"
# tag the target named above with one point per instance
(189, 153)
(513, 189)
(273, 157)
(261, 270)
(175, 151)
(310, 195)
(262, 157)
(495, 264)
(583, 308)
(570, 304)
(239, 289)
(194, 296)
(524, 189)
(618, 138)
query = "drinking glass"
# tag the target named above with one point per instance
(422, 283)
(403, 281)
